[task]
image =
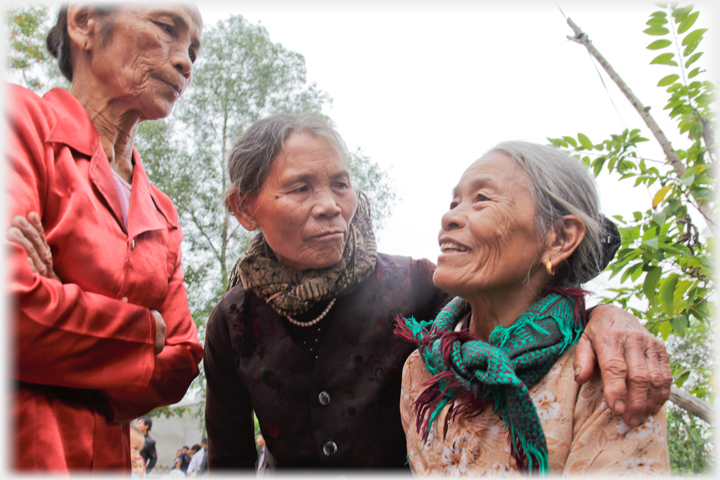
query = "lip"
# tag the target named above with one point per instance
(446, 239)
(177, 88)
(329, 235)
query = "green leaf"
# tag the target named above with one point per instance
(659, 218)
(598, 165)
(694, 73)
(571, 141)
(681, 12)
(663, 59)
(667, 289)
(585, 141)
(658, 44)
(652, 243)
(679, 324)
(688, 181)
(665, 330)
(688, 22)
(656, 22)
(559, 142)
(690, 48)
(694, 170)
(693, 59)
(693, 36)
(656, 31)
(651, 282)
(665, 81)
(680, 380)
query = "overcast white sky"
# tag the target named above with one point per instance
(425, 88)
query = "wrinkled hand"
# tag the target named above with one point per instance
(30, 234)
(160, 330)
(633, 363)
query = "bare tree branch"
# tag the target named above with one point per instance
(693, 405)
(672, 156)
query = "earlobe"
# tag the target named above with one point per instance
(564, 240)
(81, 25)
(240, 206)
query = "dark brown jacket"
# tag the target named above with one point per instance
(252, 364)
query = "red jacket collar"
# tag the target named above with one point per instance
(74, 128)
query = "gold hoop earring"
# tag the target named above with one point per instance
(549, 268)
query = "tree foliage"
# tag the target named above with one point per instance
(665, 263)
(240, 77)
(27, 54)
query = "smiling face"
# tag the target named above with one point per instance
(140, 57)
(489, 240)
(305, 206)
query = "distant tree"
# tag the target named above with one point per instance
(240, 77)
(27, 56)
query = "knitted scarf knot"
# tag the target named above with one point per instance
(475, 374)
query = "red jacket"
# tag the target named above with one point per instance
(84, 360)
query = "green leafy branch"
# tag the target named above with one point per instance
(665, 261)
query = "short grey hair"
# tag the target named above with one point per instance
(254, 152)
(561, 185)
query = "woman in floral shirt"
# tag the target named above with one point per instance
(491, 389)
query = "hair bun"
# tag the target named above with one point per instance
(610, 241)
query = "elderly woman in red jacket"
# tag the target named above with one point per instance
(103, 334)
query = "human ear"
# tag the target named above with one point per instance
(241, 208)
(562, 241)
(81, 25)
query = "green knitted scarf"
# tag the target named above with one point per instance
(499, 373)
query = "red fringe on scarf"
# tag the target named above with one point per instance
(466, 402)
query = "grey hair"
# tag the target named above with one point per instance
(561, 185)
(254, 152)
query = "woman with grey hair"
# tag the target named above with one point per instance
(491, 387)
(304, 335)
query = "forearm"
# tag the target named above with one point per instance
(68, 337)
(174, 368)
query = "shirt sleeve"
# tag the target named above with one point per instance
(66, 336)
(228, 410)
(603, 444)
(174, 368)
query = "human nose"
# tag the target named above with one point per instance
(182, 62)
(326, 205)
(453, 218)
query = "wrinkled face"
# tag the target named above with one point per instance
(489, 240)
(305, 205)
(147, 62)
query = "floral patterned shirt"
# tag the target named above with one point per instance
(582, 433)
